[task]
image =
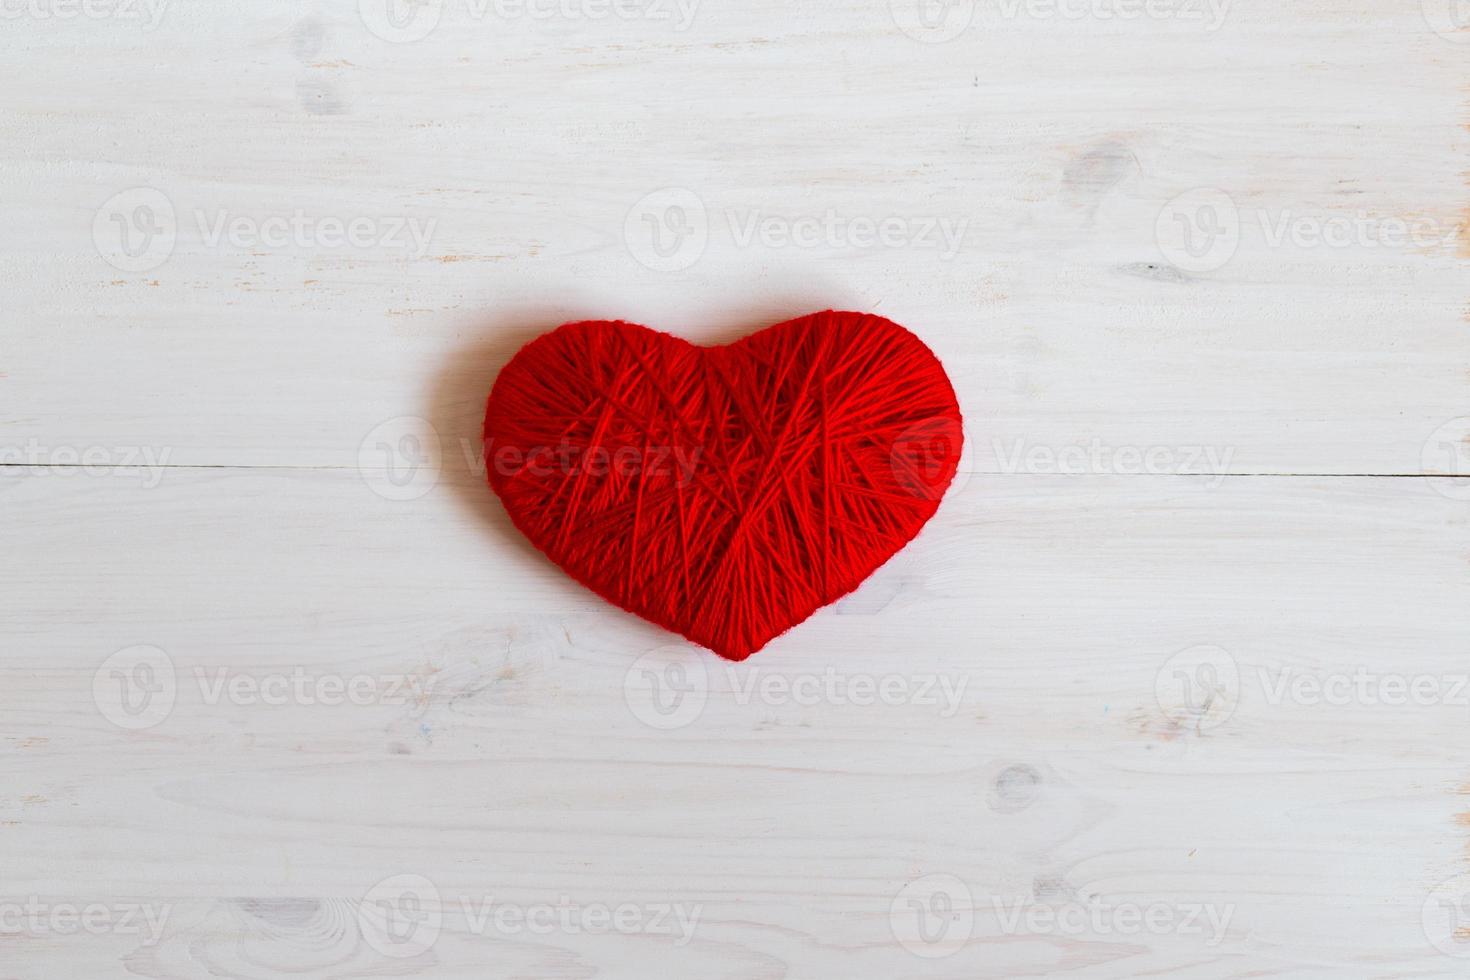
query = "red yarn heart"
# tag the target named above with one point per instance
(725, 493)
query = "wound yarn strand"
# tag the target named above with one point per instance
(723, 492)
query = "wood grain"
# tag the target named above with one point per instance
(1185, 642)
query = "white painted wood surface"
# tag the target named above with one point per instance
(1175, 684)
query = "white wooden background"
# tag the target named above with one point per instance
(1174, 684)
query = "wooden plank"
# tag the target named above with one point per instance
(499, 176)
(1036, 742)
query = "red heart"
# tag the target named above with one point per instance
(725, 493)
